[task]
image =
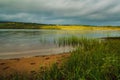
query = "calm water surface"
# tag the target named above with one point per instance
(16, 43)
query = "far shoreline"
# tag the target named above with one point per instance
(22, 25)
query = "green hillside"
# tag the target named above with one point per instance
(22, 25)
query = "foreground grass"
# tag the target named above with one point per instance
(91, 60)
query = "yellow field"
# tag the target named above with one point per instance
(79, 28)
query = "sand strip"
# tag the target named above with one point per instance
(29, 65)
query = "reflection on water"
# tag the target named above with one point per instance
(27, 40)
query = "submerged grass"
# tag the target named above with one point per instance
(92, 59)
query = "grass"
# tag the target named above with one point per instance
(92, 59)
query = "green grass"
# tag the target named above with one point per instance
(75, 41)
(92, 59)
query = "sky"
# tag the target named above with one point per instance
(85, 12)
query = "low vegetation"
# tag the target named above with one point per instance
(20, 25)
(92, 59)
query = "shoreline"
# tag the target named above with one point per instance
(30, 65)
(37, 52)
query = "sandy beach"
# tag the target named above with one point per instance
(31, 64)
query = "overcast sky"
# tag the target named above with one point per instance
(88, 12)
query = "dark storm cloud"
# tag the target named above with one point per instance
(106, 12)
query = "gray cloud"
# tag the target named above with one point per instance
(93, 12)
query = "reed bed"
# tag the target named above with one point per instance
(93, 59)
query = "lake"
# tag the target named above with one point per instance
(15, 43)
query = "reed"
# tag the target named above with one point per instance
(92, 60)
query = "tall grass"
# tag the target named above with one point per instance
(75, 41)
(91, 60)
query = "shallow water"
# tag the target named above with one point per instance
(31, 42)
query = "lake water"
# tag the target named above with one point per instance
(16, 43)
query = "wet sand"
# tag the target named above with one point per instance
(29, 53)
(31, 64)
